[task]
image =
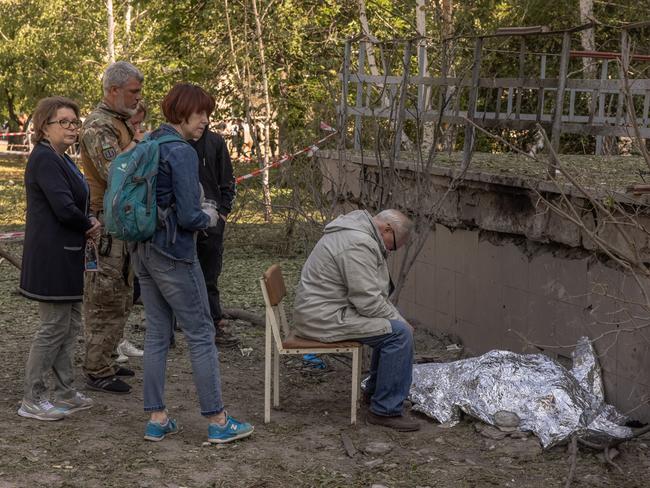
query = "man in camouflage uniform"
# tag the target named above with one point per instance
(108, 293)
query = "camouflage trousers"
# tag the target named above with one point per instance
(108, 298)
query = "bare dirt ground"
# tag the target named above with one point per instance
(301, 447)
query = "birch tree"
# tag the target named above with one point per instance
(264, 159)
(128, 19)
(587, 37)
(365, 29)
(421, 26)
(111, 31)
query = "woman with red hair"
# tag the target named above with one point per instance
(171, 280)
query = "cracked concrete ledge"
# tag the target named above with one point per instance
(503, 204)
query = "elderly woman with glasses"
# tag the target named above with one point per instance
(170, 275)
(57, 227)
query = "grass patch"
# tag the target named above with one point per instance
(249, 250)
(12, 195)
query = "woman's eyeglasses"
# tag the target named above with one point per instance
(66, 124)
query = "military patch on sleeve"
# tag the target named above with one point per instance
(109, 152)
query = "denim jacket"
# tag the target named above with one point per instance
(178, 196)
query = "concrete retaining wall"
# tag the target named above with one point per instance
(500, 272)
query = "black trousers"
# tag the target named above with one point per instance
(209, 248)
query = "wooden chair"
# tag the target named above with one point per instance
(274, 291)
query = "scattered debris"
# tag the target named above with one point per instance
(377, 448)
(373, 463)
(348, 445)
(613, 452)
(506, 421)
(489, 431)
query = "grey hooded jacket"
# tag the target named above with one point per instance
(344, 285)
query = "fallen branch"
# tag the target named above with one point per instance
(245, 315)
(350, 450)
(9, 257)
(609, 460)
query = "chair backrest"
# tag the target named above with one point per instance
(275, 284)
(274, 290)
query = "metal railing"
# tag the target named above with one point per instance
(413, 82)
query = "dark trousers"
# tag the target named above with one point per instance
(209, 248)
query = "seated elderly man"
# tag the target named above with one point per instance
(343, 295)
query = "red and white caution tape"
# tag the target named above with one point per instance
(11, 235)
(7, 134)
(309, 150)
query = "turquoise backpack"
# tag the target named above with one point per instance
(130, 210)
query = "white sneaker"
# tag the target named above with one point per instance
(40, 410)
(121, 358)
(125, 348)
(78, 402)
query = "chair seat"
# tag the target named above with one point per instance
(295, 342)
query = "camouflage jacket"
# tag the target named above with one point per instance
(104, 134)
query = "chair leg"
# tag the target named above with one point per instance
(276, 377)
(356, 372)
(267, 376)
(363, 352)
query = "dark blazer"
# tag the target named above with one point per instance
(57, 219)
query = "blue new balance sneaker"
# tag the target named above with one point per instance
(231, 431)
(156, 431)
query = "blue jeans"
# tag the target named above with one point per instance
(391, 369)
(176, 288)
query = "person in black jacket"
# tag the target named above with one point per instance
(216, 177)
(52, 271)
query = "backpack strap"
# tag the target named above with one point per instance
(169, 138)
(164, 213)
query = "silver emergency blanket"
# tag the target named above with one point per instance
(548, 400)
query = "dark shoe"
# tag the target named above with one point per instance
(225, 339)
(401, 424)
(122, 371)
(110, 384)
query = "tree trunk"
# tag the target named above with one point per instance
(111, 31)
(232, 46)
(372, 63)
(445, 15)
(127, 29)
(424, 93)
(14, 122)
(264, 160)
(588, 37)
(365, 29)
(447, 18)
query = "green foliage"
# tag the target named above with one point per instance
(52, 47)
(45, 51)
